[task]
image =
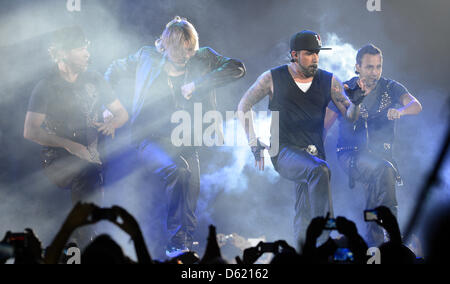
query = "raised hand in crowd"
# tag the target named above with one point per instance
(212, 253)
(80, 215)
(250, 255)
(87, 213)
(314, 230)
(25, 248)
(388, 221)
(355, 242)
(393, 251)
(131, 227)
(282, 251)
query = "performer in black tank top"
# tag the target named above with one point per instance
(299, 92)
(301, 113)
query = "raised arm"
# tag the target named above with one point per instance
(79, 216)
(128, 224)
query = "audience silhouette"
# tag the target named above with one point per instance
(349, 247)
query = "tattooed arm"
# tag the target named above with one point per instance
(348, 110)
(261, 88)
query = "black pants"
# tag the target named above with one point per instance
(87, 187)
(312, 183)
(378, 176)
(83, 179)
(179, 170)
(66, 171)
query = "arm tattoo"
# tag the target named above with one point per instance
(347, 109)
(261, 88)
(337, 93)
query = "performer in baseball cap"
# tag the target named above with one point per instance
(299, 91)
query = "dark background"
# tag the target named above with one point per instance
(412, 34)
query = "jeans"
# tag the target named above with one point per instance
(378, 176)
(87, 186)
(178, 169)
(311, 176)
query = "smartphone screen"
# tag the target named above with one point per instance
(330, 224)
(343, 255)
(370, 215)
(267, 247)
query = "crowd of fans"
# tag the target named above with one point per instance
(350, 247)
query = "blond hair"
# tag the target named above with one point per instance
(178, 32)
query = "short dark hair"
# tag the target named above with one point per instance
(367, 49)
(69, 38)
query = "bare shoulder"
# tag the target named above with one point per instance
(265, 82)
(262, 87)
(267, 75)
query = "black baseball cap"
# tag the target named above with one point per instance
(69, 38)
(306, 40)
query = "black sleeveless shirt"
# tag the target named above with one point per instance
(301, 115)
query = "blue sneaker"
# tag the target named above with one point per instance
(175, 251)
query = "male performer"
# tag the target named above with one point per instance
(172, 77)
(300, 92)
(364, 147)
(65, 115)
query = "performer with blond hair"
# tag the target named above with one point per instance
(169, 77)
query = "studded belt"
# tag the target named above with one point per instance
(347, 148)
